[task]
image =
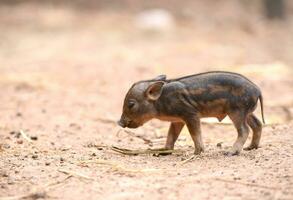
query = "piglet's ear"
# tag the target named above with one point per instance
(154, 91)
(160, 78)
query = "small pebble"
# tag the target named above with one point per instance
(12, 132)
(34, 156)
(219, 145)
(19, 141)
(4, 174)
(267, 193)
(17, 134)
(6, 146)
(34, 138)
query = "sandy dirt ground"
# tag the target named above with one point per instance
(63, 76)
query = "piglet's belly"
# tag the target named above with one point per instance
(217, 108)
(169, 118)
(219, 116)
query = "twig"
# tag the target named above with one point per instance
(147, 151)
(118, 167)
(131, 170)
(147, 141)
(187, 160)
(247, 184)
(37, 193)
(30, 195)
(77, 174)
(107, 121)
(98, 146)
(57, 183)
(22, 133)
(99, 161)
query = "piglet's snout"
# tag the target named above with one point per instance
(121, 123)
(124, 121)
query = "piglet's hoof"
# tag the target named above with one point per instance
(198, 151)
(250, 148)
(230, 153)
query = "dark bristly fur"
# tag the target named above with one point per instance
(183, 101)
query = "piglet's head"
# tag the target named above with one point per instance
(139, 102)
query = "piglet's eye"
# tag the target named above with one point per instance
(130, 104)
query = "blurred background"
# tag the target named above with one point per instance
(101, 47)
(65, 66)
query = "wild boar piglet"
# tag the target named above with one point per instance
(183, 101)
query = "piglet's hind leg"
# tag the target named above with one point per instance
(239, 121)
(193, 126)
(256, 127)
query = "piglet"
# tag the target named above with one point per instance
(184, 101)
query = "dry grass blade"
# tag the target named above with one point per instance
(247, 184)
(147, 141)
(30, 195)
(37, 193)
(187, 160)
(76, 174)
(146, 151)
(22, 133)
(131, 170)
(107, 121)
(118, 167)
(57, 183)
(100, 162)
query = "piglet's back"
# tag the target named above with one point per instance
(223, 91)
(216, 78)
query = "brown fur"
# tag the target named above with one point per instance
(185, 100)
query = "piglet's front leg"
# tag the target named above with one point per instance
(173, 133)
(193, 125)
